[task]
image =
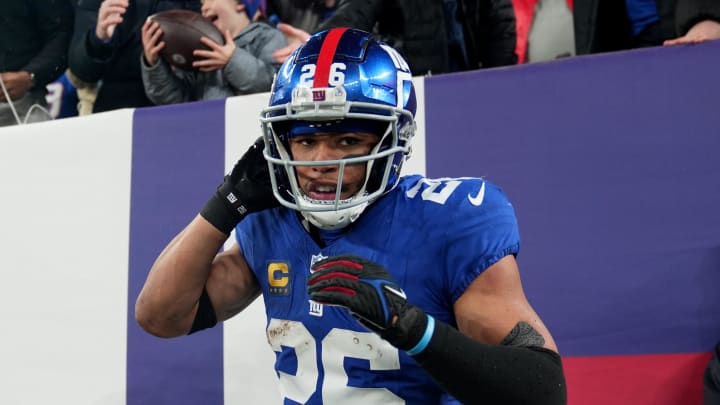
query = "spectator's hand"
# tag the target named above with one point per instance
(706, 30)
(371, 295)
(16, 83)
(109, 16)
(217, 57)
(152, 45)
(295, 37)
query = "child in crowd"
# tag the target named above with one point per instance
(243, 65)
(105, 48)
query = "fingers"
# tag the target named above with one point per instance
(110, 11)
(295, 38)
(151, 34)
(282, 54)
(228, 37)
(16, 84)
(109, 8)
(217, 57)
(686, 40)
(293, 33)
(334, 282)
(702, 31)
(337, 297)
(207, 65)
(340, 263)
(332, 278)
(334, 289)
(214, 46)
(109, 16)
(679, 41)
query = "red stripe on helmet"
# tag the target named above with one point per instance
(327, 53)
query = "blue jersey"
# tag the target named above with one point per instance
(435, 236)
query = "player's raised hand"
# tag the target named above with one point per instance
(245, 190)
(371, 295)
(217, 57)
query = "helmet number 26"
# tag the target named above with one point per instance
(337, 74)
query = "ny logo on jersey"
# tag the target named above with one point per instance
(316, 258)
(316, 308)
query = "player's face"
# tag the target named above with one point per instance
(320, 182)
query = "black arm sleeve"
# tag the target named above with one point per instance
(205, 316)
(477, 373)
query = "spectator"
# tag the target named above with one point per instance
(711, 380)
(303, 14)
(477, 33)
(62, 98)
(107, 45)
(611, 25)
(548, 31)
(243, 65)
(34, 38)
(86, 93)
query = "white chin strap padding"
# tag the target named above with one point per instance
(331, 220)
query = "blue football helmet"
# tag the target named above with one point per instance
(340, 80)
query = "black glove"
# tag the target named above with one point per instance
(246, 189)
(371, 295)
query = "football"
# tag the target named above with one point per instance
(182, 30)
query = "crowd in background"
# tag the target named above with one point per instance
(62, 58)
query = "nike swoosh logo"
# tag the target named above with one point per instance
(399, 293)
(478, 199)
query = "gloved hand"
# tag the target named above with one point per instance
(246, 189)
(371, 295)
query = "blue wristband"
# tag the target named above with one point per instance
(422, 344)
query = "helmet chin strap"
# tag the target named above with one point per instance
(338, 219)
(332, 220)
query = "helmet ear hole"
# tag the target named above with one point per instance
(377, 172)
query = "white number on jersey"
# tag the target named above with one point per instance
(437, 191)
(335, 347)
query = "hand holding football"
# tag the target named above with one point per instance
(182, 30)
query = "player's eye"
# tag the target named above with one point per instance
(304, 140)
(349, 141)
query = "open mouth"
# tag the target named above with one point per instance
(324, 192)
(213, 19)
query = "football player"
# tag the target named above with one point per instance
(379, 288)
